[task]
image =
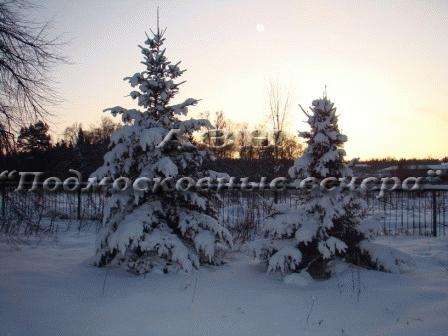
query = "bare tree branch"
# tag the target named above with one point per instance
(27, 54)
(304, 111)
(278, 108)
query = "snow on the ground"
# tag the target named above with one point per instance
(50, 288)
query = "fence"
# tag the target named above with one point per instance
(422, 212)
(412, 212)
(33, 212)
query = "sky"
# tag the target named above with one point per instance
(384, 63)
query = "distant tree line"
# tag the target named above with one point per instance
(247, 153)
(80, 149)
(83, 149)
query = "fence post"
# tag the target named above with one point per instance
(3, 196)
(434, 213)
(78, 212)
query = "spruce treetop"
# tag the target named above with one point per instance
(156, 86)
(324, 155)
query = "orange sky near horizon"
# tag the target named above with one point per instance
(384, 63)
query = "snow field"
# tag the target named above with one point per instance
(51, 288)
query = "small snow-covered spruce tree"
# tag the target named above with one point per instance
(326, 222)
(157, 229)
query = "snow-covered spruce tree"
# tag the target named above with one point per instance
(157, 229)
(326, 222)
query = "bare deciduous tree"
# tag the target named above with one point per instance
(278, 108)
(70, 135)
(27, 53)
(6, 141)
(219, 138)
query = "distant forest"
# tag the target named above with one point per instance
(244, 156)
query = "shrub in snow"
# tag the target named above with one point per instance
(388, 258)
(157, 229)
(301, 279)
(326, 222)
(371, 226)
